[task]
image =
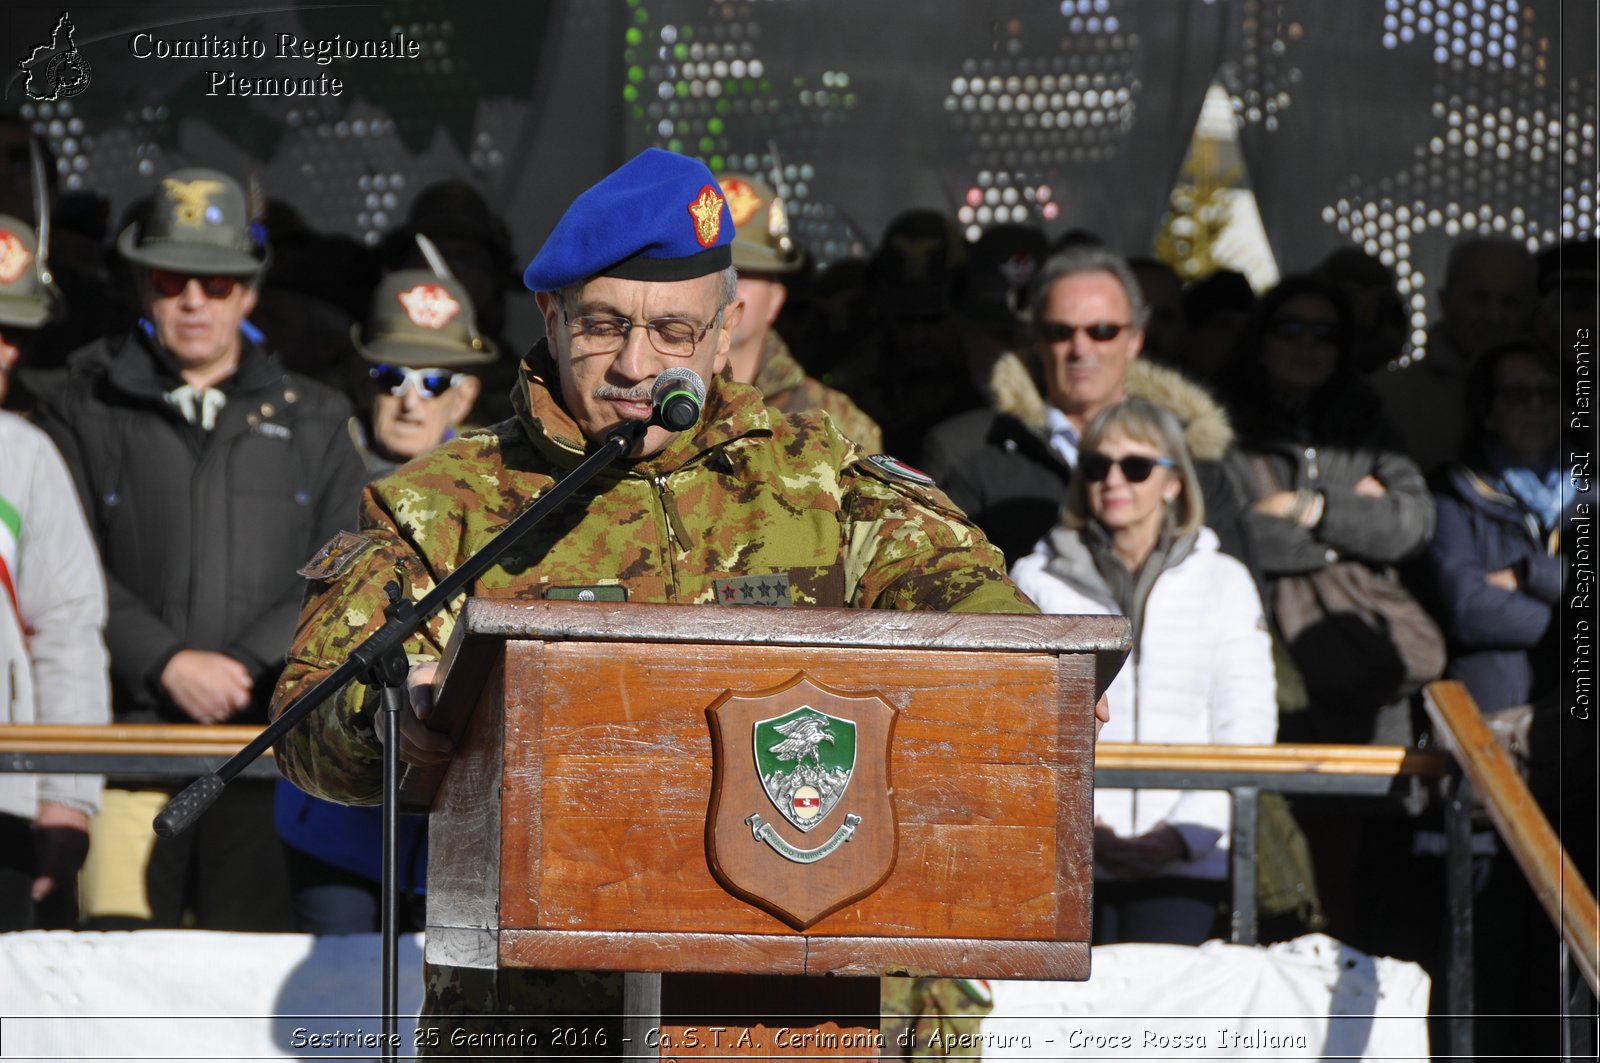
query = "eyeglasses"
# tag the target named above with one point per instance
(1294, 328)
(430, 383)
(1061, 332)
(168, 283)
(1528, 395)
(675, 337)
(1136, 468)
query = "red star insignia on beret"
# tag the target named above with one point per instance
(428, 306)
(706, 211)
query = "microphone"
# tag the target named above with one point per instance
(678, 396)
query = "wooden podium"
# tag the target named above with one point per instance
(713, 790)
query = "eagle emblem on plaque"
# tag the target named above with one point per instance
(805, 759)
(802, 818)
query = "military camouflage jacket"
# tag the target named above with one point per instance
(749, 492)
(784, 384)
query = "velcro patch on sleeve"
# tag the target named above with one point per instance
(336, 556)
(607, 592)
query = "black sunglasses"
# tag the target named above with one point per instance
(169, 283)
(1136, 468)
(1294, 328)
(1061, 332)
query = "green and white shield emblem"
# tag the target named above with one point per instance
(805, 759)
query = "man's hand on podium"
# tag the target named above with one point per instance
(418, 745)
(1102, 714)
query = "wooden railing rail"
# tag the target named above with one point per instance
(1381, 761)
(1519, 821)
(132, 750)
(187, 740)
(133, 739)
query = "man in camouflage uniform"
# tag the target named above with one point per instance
(636, 278)
(420, 346)
(764, 254)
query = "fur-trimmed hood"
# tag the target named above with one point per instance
(1206, 429)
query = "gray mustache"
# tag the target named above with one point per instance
(637, 393)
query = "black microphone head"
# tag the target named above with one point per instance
(678, 395)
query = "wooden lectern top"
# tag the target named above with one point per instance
(790, 791)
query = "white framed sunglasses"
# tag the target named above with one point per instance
(430, 383)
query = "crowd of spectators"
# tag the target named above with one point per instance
(221, 379)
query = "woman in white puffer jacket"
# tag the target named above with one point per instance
(1200, 671)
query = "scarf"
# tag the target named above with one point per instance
(1539, 491)
(198, 406)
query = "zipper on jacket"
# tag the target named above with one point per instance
(675, 526)
(676, 534)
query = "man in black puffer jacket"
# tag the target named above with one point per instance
(209, 475)
(1008, 465)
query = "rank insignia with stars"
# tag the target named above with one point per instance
(771, 589)
(336, 556)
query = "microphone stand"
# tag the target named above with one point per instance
(381, 659)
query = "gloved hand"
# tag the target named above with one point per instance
(58, 854)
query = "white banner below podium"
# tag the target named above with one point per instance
(194, 995)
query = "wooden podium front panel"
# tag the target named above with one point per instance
(612, 771)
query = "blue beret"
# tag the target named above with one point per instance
(659, 217)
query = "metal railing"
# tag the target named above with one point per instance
(186, 751)
(1487, 771)
(1248, 771)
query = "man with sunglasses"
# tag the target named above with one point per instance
(1008, 466)
(419, 341)
(208, 474)
(749, 506)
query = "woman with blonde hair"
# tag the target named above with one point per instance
(1132, 542)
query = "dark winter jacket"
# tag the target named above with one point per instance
(1329, 449)
(997, 463)
(1502, 645)
(201, 532)
(1345, 441)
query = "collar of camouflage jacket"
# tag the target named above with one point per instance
(779, 371)
(732, 412)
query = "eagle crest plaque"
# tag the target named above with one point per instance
(802, 818)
